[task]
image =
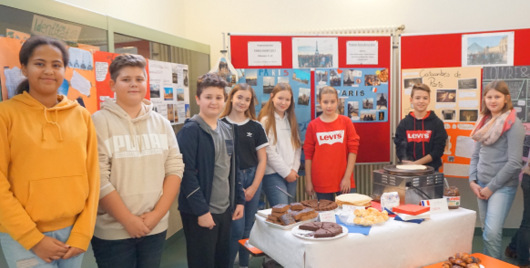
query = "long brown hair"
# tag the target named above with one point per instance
(268, 111)
(502, 87)
(251, 111)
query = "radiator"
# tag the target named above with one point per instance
(363, 180)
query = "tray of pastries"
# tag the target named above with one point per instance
(285, 216)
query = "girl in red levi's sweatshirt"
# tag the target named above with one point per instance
(420, 137)
(330, 148)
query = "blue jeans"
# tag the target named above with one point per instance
(521, 240)
(331, 196)
(493, 213)
(275, 196)
(15, 254)
(132, 252)
(241, 228)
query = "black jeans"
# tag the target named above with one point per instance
(207, 248)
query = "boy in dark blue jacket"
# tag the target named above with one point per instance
(211, 194)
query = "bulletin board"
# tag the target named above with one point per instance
(375, 143)
(78, 84)
(439, 53)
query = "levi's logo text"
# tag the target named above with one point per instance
(330, 137)
(419, 135)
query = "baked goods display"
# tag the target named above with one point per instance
(369, 216)
(284, 214)
(460, 260)
(322, 229)
(320, 205)
(353, 200)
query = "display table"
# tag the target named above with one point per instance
(486, 261)
(392, 244)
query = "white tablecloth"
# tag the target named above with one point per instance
(392, 244)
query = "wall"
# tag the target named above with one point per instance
(204, 21)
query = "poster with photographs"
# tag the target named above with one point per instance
(363, 93)
(315, 52)
(518, 80)
(168, 90)
(455, 99)
(488, 49)
(264, 80)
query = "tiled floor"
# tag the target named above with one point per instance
(174, 255)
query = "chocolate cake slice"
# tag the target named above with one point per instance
(310, 226)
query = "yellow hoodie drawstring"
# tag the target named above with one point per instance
(52, 123)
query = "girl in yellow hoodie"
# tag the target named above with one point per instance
(49, 173)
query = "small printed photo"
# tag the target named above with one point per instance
(334, 78)
(185, 77)
(154, 91)
(448, 115)
(319, 88)
(80, 59)
(381, 116)
(321, 77)
(174, 74)
(303, 96)
(251, 77)
(368, 116)
(371, 80)
(168, 93)
(263, 103)
(283, 79)
(340, 107)
(368, 103)
(318, 109)
(383, 75)
(188, 113)
(410, 82)
(520, 109)
(180, 94)
(171, 113)
(468, 83)
(348, 76)
(268, 84)
(382, 101)
(446, 95)
(353, 110)
(468, 115)
(301, 76)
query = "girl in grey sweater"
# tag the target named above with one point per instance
(496, 162)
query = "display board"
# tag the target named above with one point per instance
(363, 92)
(87, 79)
(324, 54)
(518, 80)
(299, 80)
(455, 98)
(437, 52)
(169, 92)
(79, 81)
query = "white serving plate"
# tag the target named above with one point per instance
(305, 234)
